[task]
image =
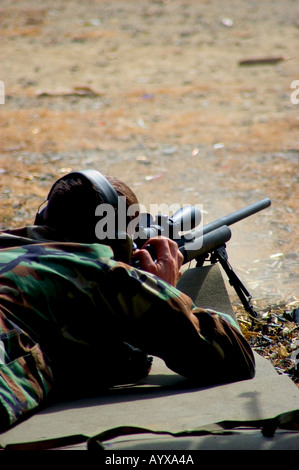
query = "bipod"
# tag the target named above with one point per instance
(220, 254)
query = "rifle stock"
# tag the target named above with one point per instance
(200, 246)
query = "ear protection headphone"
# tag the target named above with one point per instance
(94, 178)
(123, 246)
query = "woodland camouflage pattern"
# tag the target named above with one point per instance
(75, 320)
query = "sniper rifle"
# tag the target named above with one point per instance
(201, 243)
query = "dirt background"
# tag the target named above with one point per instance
(153, 92)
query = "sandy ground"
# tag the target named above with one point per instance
(154, 92)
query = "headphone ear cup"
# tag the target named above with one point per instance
(39, 218)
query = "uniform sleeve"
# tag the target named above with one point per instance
(159, 319)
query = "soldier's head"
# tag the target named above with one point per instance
(73, 200)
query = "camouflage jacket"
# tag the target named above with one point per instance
(70, 315)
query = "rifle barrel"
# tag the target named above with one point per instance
(226, 220)
(237, 215)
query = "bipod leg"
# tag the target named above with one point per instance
(220, 255)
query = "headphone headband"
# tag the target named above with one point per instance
(96, 178)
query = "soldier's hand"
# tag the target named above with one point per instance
(168, 259)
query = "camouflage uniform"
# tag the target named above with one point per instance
(70, 315)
